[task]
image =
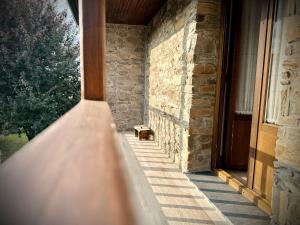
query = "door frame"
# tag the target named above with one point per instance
(264, 45)
(223, 55)
(262, 75)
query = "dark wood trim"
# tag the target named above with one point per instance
(265, 34)
(232, 79)
(221, 74)
(261, 76)
(245, 117)
(267, 62)
(222, 78)
(92, 49)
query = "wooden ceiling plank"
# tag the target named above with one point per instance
(134, 12)
(137, 12)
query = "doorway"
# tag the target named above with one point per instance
(248, 103)
(242, 35)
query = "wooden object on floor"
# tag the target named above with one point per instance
(69, 174)
(142, 132)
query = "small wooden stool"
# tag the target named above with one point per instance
(142, 131)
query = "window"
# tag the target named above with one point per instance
(279, 101)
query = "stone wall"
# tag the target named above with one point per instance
(167, 73)
(286, 195)
(180, 77)
(125, 46)
(286, 185)
(203, 84)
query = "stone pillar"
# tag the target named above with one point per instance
(180, 79)
(204, 63)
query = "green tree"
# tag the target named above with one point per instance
(39, 65)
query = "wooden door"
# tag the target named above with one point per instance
(231, 157)
(238, 122)
(263, 134)
(275, 72)
(238, 154)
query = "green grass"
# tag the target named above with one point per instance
(10, 144)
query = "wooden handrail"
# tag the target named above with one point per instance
(68, 175)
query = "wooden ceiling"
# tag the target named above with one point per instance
(135, 12)
(138, 12)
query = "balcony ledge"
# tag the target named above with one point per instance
(69, 174)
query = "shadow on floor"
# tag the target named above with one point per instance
(230, 202)
(166, 194)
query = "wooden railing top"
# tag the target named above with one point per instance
(68, 175)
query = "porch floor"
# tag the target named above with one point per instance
(167, 196)
(230, 202)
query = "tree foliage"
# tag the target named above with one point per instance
(39, 65)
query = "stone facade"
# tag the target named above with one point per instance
(164, 75)
(125, 47)
(203, 83)
(286, 195)
(286, 185)
(180, 78)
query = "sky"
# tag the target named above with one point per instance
(63, 5)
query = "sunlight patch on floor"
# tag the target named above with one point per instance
(180, 201)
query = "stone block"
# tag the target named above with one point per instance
(201, 112)
(208, 8)
(179, 24)
(206, 68)
(204, 101)
(286, 195)
(207, 89)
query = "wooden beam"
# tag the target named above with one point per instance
(220, 87)
(92, 49)
(69, 174)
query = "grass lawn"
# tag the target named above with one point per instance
(10, 144)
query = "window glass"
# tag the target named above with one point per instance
(285, 41)
(251, 12)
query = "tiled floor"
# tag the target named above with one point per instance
(163, 191)
(231, 203)
(168, 196)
